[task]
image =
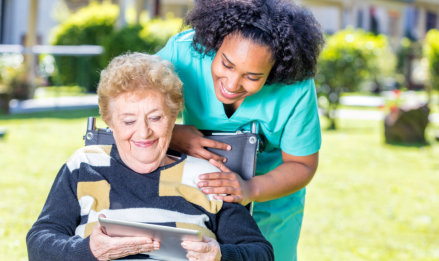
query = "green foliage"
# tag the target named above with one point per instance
(124, 40)
(149, 36)
(431, 51)
(349, 58)
(156, 32)
(90, 25)
(13, 78)
(11, 65)
(95, 24)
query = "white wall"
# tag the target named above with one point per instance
(16, 20)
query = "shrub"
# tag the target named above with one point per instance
(431, 51)
(149, 37)
(349, 58)
(156, 32)
(123, 40)
(90, 25)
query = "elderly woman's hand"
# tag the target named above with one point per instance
(189, 140)
(227, 185)
(104, 247)
(208, 249)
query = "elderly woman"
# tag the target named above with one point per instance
(137, 180)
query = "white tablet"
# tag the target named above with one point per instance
(170, 237)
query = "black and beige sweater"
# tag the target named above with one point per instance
(95, 181)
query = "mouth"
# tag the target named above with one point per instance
(228, 94)
(144, 144)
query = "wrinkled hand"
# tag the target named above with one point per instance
(189, 140)
(226, 182)
(206, 250)
(104, 247)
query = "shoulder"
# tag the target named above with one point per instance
(184, 38)
(94, 155)
(200, 165)
(295, 88)
(194, 167)
(290, 93)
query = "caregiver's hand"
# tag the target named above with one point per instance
(104, 247)
(226, 182)
(189, 140)
(207, 250)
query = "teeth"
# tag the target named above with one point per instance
(226, 91)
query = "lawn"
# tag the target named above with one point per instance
(368, 201)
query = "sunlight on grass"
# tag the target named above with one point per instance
(371, 201)
(368, 201)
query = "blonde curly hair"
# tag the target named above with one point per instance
(136, 72)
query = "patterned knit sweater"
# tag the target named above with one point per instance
(95, 181)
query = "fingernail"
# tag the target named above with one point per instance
(183, 244)
(229, 147)
(224, 160)
(201, 184)
(206, 190)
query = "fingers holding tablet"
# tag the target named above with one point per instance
(104, 247)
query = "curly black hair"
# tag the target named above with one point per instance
(292, 33)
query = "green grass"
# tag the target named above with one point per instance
(372, 201)
(368, 201)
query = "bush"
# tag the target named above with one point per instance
(431, 51)
(148, 37)
(349, 58)
(123, 40)
(90, 25)
(156, 32)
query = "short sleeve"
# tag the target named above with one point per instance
(302, 133)
(167, 52)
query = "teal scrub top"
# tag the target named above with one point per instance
(287, 114)
(288, 119)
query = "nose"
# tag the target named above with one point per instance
(234, 82)
(144, 130)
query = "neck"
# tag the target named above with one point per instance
(142, 168)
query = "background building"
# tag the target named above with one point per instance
(395, 18)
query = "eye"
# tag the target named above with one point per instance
(225, 65)
(127, 123)
(155, 118)
(253, 79)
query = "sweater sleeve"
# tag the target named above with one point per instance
(52, 237)
(239, 236)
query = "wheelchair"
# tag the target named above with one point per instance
(241, 159)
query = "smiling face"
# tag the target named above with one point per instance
(142, 126)
(240, 69)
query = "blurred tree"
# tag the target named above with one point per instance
(89, 25)
(431, 52)
(349, 58)
(149, 36)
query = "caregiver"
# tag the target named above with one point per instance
(248, 61)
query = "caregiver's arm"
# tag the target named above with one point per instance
(292, 175)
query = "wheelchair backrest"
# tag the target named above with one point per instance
(241, 159)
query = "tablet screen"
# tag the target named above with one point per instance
(170, 237)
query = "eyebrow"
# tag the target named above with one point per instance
(133, 114)
(257, 74)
